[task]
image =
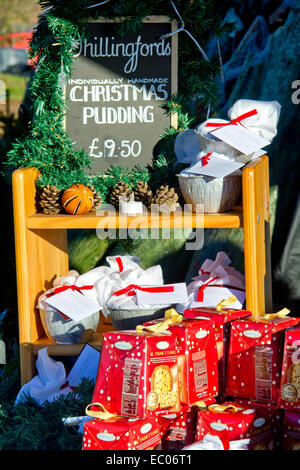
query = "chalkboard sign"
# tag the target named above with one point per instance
(116, 91)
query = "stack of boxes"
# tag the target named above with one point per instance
(216, 373)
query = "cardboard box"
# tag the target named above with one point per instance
(138, 374)
(178, 429)
(255, 357)
(289, 398)
(273, 415)
(120, 433)
(238, 422)
(197, 359)
(291, 431)
(222, 321)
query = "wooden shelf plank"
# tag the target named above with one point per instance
(62, 349)
(233, 219)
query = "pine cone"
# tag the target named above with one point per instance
(165, 199)
(143, 193)
(120, 191)
(98, 201)
(50, 200)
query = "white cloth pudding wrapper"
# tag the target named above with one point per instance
(264, 123)
(109, 279)
(219, 268)
(46, 386)
(211, 442)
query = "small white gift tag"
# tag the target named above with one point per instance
(241, 138)
(215, 167)
(73, 304)
(179, 294)
(214, 294)
(85, 366)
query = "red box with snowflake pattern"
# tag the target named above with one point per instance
(138, 374)
(237, 421)
(222, 321)
(178, 429)
(197, 359)
(118, 433)
(255, 357)
(290, 375)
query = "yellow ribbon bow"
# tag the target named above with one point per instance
(269, 316)
(225, 302)
(171, 317)
(224, 408)
(103, 414)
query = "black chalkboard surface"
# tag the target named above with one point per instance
(116, 91)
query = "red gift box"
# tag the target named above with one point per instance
(291, 431)
(138, 374)
(289, 398)
(222, 322)
(120, 433)
(197, 359)
(235, 422)
(273, 414)
(178, 429)
(255, 357)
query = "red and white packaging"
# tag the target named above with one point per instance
(237, 422)
(138, 374)
(291, 431)
(120, 433)
(222, 321)
(289, 398)
(197, 359)
(272, 413)
(255, 357)
(178, 429)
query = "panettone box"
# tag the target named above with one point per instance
(222, 321)
(272, 414)
(178, 429)
(197, 359)
(289, 398)
(232, 421)
(291, 431)
(255, 357)
(138, 374)
(119, 433)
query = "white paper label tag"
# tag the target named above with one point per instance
(178, 295)
(73, 304)
(216, 167)
(241, 138)
(85, 366)
(214, 294)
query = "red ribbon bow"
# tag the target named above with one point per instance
(234, 122)
(201, 290)
(119, 263)
(130, 290)
(66, 384)
(57, 290)
(206, 158)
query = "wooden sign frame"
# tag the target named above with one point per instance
(168, 120)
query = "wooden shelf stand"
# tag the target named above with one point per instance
(42, 251)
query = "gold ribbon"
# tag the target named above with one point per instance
(269, 316)
(171, 317)
(103, 414)
(225, 302)
(224, 408)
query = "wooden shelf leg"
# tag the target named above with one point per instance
(26, 362)
(257, 236)
(41, 255)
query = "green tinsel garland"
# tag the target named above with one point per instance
(47, 145)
